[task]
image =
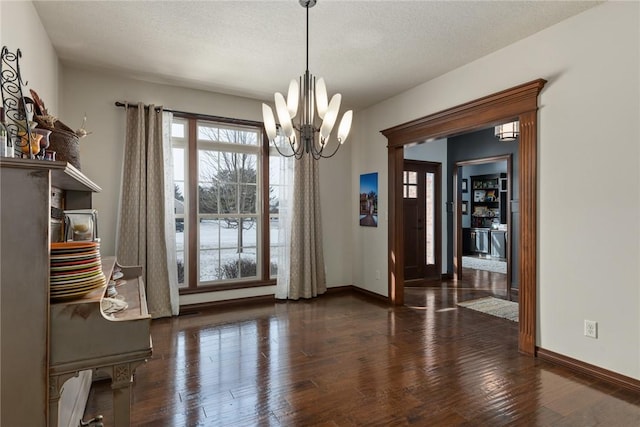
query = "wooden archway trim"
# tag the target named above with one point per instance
(519, 102)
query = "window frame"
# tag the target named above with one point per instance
(263, 256)
(182, 143)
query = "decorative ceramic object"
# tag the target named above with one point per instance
(32, 148)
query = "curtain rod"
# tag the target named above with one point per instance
(196, 115)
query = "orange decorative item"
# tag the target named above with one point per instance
(34, 147)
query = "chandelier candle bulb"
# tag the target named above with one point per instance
(269, 122)
(321, 97)
(345, 126)
(283, 115)
(330, 117)
(292, 98)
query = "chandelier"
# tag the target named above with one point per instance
(508, 131)
(310, 135)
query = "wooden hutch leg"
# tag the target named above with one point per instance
(122, 381)
(54, 398)
(55, 386)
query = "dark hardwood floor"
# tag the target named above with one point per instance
(494, 284)
(344, 359)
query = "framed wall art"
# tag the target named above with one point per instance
(465, 207)
(368, 204)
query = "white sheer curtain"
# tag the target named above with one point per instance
(169, 209)
(144, 235)
(285, 199)
(301, 267)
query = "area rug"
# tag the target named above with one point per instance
(493, 306)
(484, 264)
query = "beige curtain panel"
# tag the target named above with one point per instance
(142, 232)
(307, 275)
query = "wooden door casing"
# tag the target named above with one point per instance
(517, 103)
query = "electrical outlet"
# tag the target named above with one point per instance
(377, 274)
(591, 328)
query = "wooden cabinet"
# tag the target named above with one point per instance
(43, 344)
(84, 338)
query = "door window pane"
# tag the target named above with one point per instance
(410, 184)
(430, 219)
(410, 177)
(413, 191)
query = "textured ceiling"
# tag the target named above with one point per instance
(367, 50)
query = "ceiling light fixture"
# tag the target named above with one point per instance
(308, 136)
(508, 131)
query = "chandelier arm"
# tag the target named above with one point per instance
(299, 152)
(280, 152)
(321, 154)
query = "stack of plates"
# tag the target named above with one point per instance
(76, 269)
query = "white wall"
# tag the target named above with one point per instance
(337, 221)
(39, 63)
(435, 151)
(101, 156)
(589, 183)
(368, 154)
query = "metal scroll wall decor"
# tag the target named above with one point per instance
(18, 108)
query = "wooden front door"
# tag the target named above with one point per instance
(422, 223)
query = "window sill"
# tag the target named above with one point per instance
(226, 287)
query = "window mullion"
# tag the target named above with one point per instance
(193, 252)
(263, 188)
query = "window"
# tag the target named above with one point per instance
(225, 206)
(179, 147)
(410, 184)
(430, 218)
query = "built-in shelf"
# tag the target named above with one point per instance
(488, 200)
(63, 174)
